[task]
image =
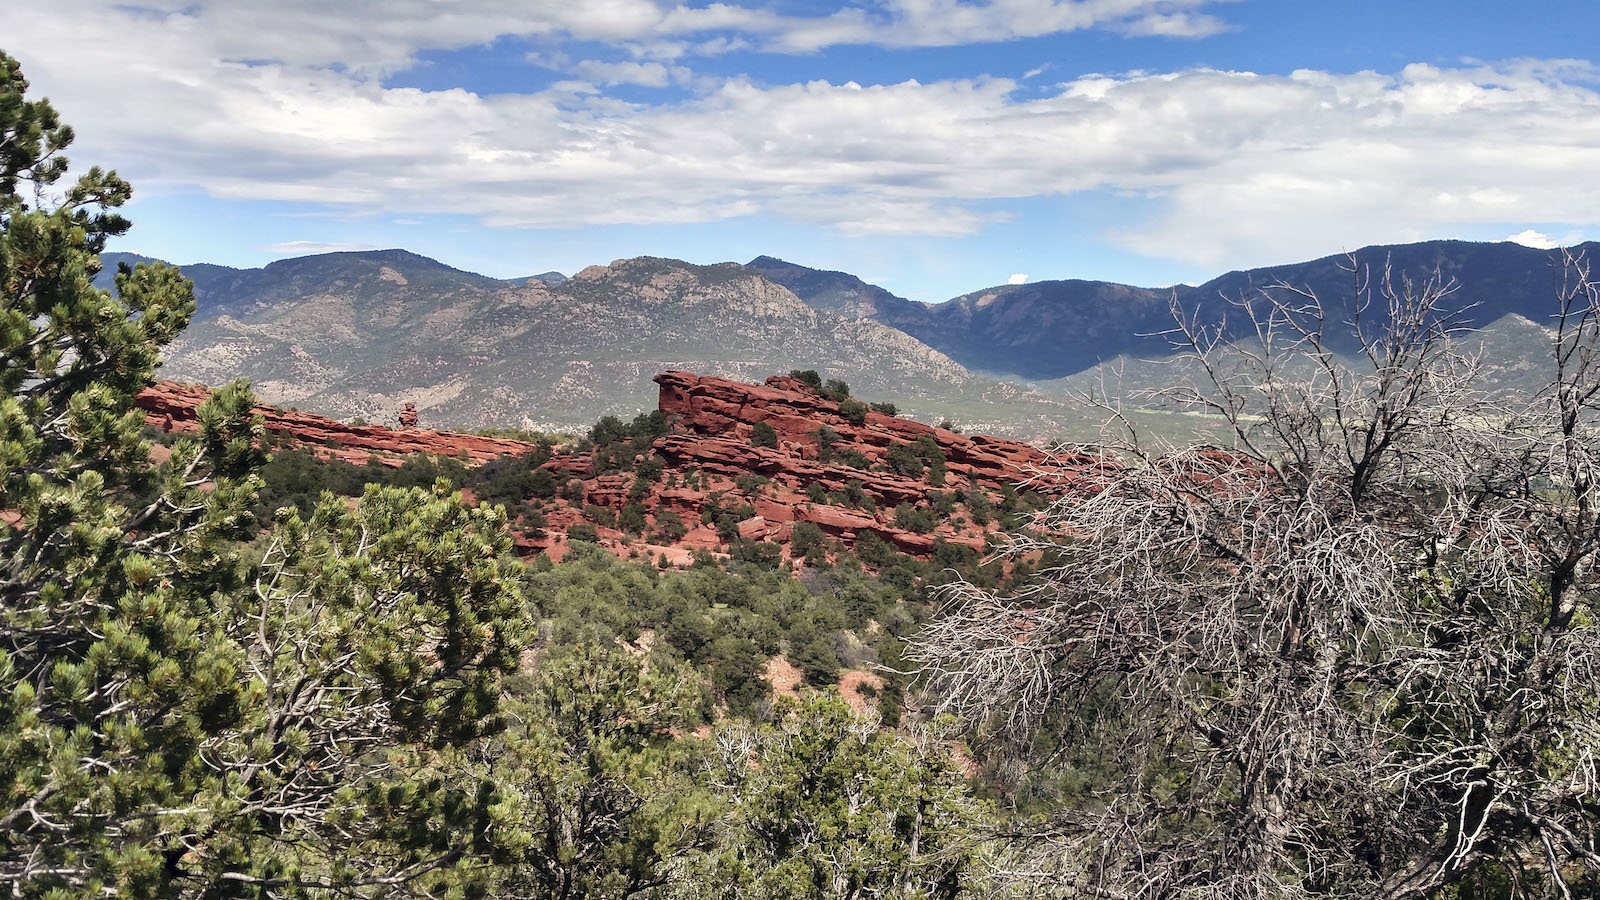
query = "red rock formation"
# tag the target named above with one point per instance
(408, 416)
(711, 406)
(172, 407)
(710, 447)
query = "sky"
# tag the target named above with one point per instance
(934, 147)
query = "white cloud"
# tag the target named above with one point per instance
(1018, 278)
(1541, 241)
(1176, 24)
(1239, 168)
(307, 248)
(1534, 239)
(651, 74)
(923, 23)
(375, 37)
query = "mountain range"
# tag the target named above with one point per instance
(1053, 329)
(357, 334)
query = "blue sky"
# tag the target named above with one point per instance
(931, 146)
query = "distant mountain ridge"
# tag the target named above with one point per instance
(1052, 329)
(359, 333)
(225, 290)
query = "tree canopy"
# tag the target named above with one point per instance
(191, 699)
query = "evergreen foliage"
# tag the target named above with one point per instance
(247, 671)
(763, 435)
(826, 808)
(853, 411)
(188, 708)
(807, 377)
(601, 799)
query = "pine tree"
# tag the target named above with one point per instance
(600, 799)
(190, 706)
(824, 805)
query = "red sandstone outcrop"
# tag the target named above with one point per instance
(710, 447)
(711, 406)
(172, 407)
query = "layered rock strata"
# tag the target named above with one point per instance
(713, 443)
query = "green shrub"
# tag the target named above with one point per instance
(763, 435)
(856, 496)
(912, 518)
(826, 438)
(853, 458)
(601, 515)
(808, 377)
(806, 538)
(632, 518)
(902, 460)
(762, 553)
(750, 483)
(737, 666)
(608, 430)
(542, 484)
(853, 411)
(649, 468)
(816, 658)
(725, 516)
(979, 505)
(533, 521)
(572, 491)
(860, 603)
(670, 525)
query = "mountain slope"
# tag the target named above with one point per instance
(840, 293)
(1052, 329)
(222, 290)
(360, 334)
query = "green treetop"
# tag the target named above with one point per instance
(188, 706)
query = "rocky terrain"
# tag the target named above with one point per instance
(170, 406)
(360, 335)
(772, 457)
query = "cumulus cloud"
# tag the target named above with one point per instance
(1239, 168)
(376, 37)
(1534, 239)
(1538, 240)
(307, 248)
(1176, 24)
(651, 74)
(1018, 278)
(923, 23)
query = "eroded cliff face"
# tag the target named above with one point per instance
(171, 407)
(717, 407)
(848, 489)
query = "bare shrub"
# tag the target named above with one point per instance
(1352, 655)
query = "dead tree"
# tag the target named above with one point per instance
(1353, 655)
